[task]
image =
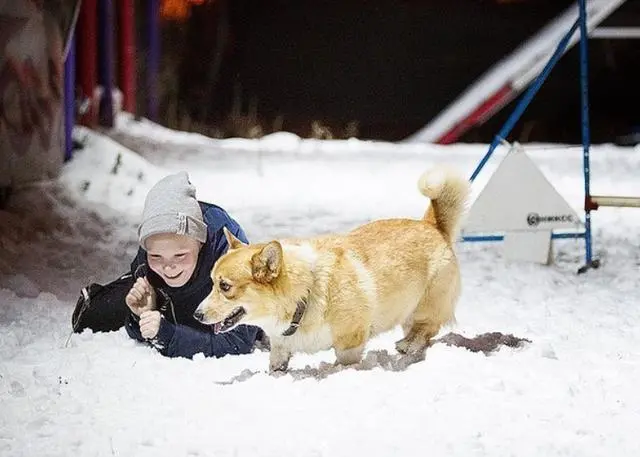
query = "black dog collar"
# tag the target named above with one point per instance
(301, 307)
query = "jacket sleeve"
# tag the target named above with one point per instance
(183, 341)
(132, 325)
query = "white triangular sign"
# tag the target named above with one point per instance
(518, 197)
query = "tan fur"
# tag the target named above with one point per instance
(383, 274)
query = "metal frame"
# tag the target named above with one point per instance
(524, 102)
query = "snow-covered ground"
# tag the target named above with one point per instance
(573, 391)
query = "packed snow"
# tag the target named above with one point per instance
(571, 391)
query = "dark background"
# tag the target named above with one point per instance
(381, 69)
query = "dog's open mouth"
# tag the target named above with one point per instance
(230, 321)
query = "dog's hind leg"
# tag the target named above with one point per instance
(435, 309)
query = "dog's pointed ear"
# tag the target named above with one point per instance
(234, 243)
(267, 264)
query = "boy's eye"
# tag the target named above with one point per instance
(179, 256)
(224, 286)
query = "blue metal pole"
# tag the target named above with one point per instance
(153, 58)
(499, 237)
(105, 61)
(586, 140)
(526, 99)
(69, 97)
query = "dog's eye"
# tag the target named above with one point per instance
(224, 286)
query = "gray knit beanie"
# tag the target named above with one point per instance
(171, 207)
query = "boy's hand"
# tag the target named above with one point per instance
(149, 324)
(141, 297)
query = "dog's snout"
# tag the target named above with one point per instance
(199, 315)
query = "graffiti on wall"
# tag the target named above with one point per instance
(31, 94)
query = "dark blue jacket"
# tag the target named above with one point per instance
(180, 334)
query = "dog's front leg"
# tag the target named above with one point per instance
(279, 357)
(350, 346)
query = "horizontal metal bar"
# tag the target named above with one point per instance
(474, 238)
(489, 238)
(628, 202)
(619, 33)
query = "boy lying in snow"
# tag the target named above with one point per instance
(180, 240)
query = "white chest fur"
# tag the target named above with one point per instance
(319, 339)
(311, 342)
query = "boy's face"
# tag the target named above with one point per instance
(173, 257)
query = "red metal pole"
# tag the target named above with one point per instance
(153, 57)
(127, 54)
(87, 60)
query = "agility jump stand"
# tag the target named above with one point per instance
(521, 203)
(534, 210)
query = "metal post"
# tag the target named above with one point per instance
(105, 61)
(586, 140)
(87, 43)
(69, 96)
(127, 54)
(153, 57)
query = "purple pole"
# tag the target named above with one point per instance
(105, 61)
(153, 58)
(69, 97)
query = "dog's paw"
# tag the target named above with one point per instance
(279, 357)
(278, 363)
(411, 345)
(278, 367)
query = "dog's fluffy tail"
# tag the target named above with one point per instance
(449, 194)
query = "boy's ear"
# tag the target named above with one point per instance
(267, 263)
(234, 243)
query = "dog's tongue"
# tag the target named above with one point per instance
(217, 327)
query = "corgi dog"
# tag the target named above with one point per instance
(338, 291)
